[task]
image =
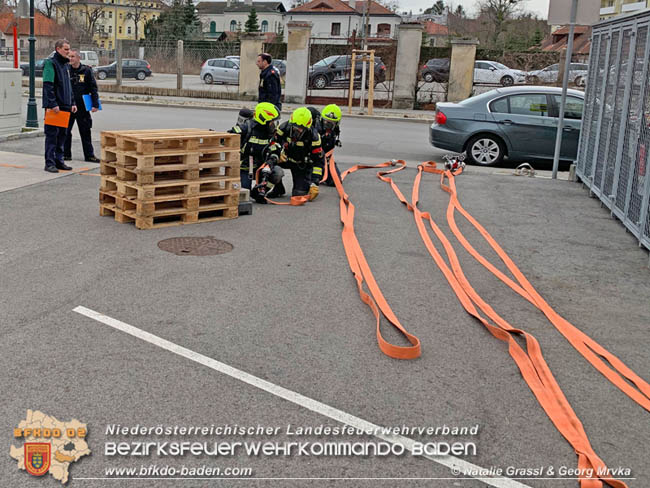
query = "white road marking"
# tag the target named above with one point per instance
(457, 465)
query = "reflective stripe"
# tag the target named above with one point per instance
(318, 171)
(237, 129)
(256, 140)
(300, 143)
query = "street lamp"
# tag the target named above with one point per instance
(32, 116)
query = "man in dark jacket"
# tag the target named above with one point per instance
(83, 83)
(270, 89)
(57, 96)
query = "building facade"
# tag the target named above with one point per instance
(105, 21)
(614, 8)
(220, 17)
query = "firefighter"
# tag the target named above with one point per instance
(301, 152)
(330, 133)
(257, 148)
(244, 117)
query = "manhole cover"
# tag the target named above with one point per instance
(195, 246)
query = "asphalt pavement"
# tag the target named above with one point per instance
(283, 307)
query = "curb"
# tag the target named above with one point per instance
(22, 135)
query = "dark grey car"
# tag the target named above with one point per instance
(518, 123)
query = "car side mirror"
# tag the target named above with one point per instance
(492, 68)
(332, 65)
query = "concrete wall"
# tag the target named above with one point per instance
(297, 61)
(409, 42)
(461, 69)
(249, 74)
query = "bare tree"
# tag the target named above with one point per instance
(92, 13)
(498, 13)
(136, 13)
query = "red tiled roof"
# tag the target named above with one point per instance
(374, 8)
(578, 29)
(434, 29)
(581, 40)
(42, 25)
(333, 6)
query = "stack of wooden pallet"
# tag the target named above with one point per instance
(158, 178)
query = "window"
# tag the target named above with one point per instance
(336, 28)
(233, 26)
(219, 63)
(110, 14)
(103, 45)
(128, 30)
(110, 44)
(383, 30)
(213, 27)
(481, 65)
(22, 43)
(120, 15)
(120, 29)
(110, 29)
(230, 64)
(534, 104)
(499, 106)
(572, 108)
(265, 26)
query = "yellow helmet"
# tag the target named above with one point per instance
(332, 113)
(265, 112)
(302, 117)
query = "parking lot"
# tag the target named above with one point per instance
(101, 325)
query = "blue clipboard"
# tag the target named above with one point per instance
(88, 102)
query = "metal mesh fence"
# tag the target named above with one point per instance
(615, 141)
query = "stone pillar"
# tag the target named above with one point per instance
(295, 90)
(461, 69)
(409, 41)
(252, 44)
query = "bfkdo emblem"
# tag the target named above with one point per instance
(37, 457)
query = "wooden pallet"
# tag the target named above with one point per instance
(169, 157)
(171, 206)
(151, 141)
(161, 174)
(171, 189)
(206, 213)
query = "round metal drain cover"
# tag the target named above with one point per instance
(195, 246)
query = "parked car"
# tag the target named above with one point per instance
(577, 74)
(435, 70)
(519, 123)
(280, 65)
(493, 72)
(335, 71)
(38, 68)
(89, 58)
(131, 68)
(220, 70)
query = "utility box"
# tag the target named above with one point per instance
(10, 101)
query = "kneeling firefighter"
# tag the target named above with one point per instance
(301, 152)
(258, 149)
(330, 133)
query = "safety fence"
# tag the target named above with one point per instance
(615, 139)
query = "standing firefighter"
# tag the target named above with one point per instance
(301, 152)
(258, 148)
(330, 133)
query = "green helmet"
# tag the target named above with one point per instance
(265, 112)
(332, 113)
(301, 117)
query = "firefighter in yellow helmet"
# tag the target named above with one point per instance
(327, 123)
(301, 152)
(257, 147)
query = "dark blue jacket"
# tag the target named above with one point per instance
(270, 89)
(83, 83)
(57, 89)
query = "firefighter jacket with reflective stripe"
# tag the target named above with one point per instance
(256, 143)
(306, 150)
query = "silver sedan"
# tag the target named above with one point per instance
(517, 123)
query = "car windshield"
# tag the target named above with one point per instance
(325, 62)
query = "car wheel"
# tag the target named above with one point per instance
(208, 79)
(534, 80)
(140, 75)
(319, 82)
(101, 75)
(507, 80)
(428, 77)
(485, 150)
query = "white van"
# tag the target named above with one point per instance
(89, 58)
